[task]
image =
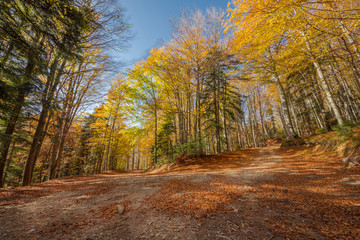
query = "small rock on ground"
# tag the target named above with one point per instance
(120, 208)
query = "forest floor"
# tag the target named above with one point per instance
(262, 193)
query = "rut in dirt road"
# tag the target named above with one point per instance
(260, 193)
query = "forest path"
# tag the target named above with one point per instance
(263, 193)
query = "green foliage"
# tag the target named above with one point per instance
(164, 138)
(322, 130)
(192, 147)
(13, 175)
(163, 160)
(344, 130)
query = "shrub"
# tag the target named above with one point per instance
(345, 129)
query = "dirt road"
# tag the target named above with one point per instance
(264, 193)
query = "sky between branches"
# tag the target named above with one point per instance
(150, 21)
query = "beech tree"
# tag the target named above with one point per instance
(295, 40)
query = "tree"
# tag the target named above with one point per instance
(147, 92)
(41, 42)
(284, 39)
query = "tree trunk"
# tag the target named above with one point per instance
(155, 135)
(37, 139)
(10, 128)
(14, 117)
(8, 164)
(328, 94)
(285, 106)
(330, 99)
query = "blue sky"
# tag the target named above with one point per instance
(150, 22)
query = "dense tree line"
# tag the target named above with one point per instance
(52, 57)
(265, 69)
(188, 98)
(310, 51)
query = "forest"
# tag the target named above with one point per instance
(227, 80)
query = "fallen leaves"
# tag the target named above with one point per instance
(26, 194)
(309, 202)
(195, 199)
(308, 195)
(108, 211)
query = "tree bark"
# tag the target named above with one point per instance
(285, 107)
(328, 94)
(37, 139)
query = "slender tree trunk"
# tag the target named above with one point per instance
(37, 139)
(274, 133)
(351, 41)
(63, 136)
(10, 128)
(262, 122)
(14, 116)
(217, 117)
(329, 97)
(36, 143)
(108, 152)
(285, 127)
(54, 154)
(138, 159)
(8, 162)
(224, 122)
(328, 94)
(133, 159)
(44, 163)
(155, 134)
(245, 131)
(251, 120)
(285, 106)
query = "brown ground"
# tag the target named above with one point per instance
(264, 193)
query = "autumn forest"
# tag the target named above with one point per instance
(230, 79)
